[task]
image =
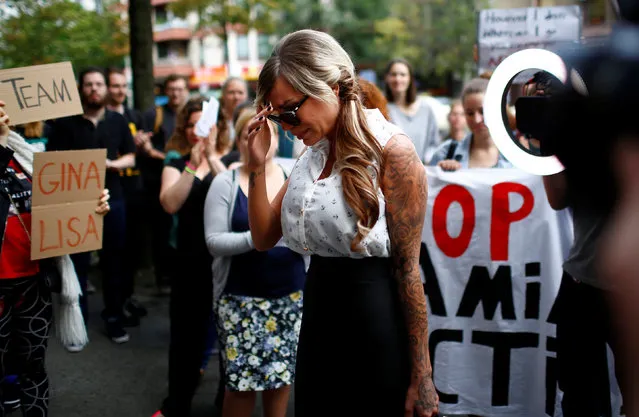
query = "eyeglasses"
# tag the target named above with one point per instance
(290, 116)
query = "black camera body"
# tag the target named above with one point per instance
(583, 129)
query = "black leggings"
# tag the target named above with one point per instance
(25, 321)
(353, 357)
(191, 304)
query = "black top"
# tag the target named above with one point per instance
(131, 178)
(135, 116)
(112, 132)
(274, 273)
(151, 167)
(190, 229)
(230, 158)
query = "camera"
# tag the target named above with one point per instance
(580, 121)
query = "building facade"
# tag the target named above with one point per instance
(181, 47)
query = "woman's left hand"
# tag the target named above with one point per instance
(210, 142)
(422, 399)
(103, 203)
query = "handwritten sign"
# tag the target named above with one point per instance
(66, 188)
(502, 32)
(39, 92)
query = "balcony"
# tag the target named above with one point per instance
(160, 2)
(167, 66)
(172, 30)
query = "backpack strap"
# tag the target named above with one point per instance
(451, 150)
(159, 118)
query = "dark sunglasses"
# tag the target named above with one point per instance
(290, 116)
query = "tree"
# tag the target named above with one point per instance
(218, 15)
(40, 32)
(437, 36)
(351, 22)
(141, 40)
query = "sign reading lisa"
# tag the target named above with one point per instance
(40, 92)
(66, 188)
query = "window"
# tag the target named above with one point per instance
(163, 50)
(595, 12)
(264, 47)
(161, 15)
(242, 47)
(179, 49)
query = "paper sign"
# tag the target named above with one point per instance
(208, 118)
(40, 92)
(502, 32)
(66, 188)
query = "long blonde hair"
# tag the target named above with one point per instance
(314, 63)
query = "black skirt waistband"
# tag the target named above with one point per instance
(350, 269)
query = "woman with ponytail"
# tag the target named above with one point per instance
(355, 201)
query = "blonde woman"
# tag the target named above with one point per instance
(477, 149)
(258, 295)
(355, 202)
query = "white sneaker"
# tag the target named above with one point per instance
(75, 348)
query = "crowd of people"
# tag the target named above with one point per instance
(306, 274)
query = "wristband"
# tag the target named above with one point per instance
(189, 170)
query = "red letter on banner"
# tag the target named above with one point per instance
(453, 246)
(502, 217)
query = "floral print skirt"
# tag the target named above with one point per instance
(259, 340)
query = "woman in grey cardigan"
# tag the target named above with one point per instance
(408, 111)
(257, 295)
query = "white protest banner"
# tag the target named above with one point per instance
(502, 32)
(493, 265)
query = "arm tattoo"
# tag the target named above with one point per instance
(253, 176)
(405, 189)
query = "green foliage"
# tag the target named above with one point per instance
(41, 32)
(217, 14)
(437, 36)
(351, 22)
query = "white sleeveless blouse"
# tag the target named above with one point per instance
(316, 220)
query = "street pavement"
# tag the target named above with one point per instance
(128, 380)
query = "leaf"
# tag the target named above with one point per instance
(40, 32)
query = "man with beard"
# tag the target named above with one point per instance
(100, 128)
(133, 190)
(161, 120)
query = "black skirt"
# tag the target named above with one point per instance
(353, 357)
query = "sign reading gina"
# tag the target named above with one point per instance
(40, 92)
(66, 189)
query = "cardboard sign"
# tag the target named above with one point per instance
(66, 188)
(40, 92)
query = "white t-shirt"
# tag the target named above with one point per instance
(316, 220)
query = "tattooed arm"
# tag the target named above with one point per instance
(264, 216)
(405, 189)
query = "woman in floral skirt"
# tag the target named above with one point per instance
(257, 295)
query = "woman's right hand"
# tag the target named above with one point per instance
(4, 124)
(259, 139)
(449, 165)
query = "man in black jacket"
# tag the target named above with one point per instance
(133, 188)
(161, 121)
(100, 128)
